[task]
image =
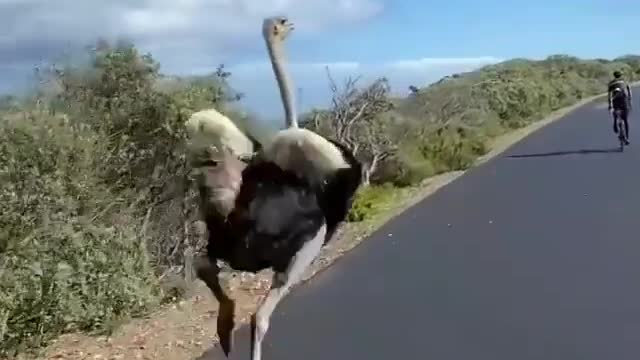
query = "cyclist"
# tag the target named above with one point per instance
(619, 95)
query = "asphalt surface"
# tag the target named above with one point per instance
(534, 255)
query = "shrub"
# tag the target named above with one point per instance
(369, 202)
(97, 197)
(72, 255)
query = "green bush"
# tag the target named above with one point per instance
(450, 149)
(95, 197)
(369, 201)
(72, 256)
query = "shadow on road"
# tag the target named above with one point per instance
(569, 152)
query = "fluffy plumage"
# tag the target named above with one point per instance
(338, 189)
(219, 181)
(275, 210)
(305, 153)
(274, 213)
(215, 147)
(211, 128)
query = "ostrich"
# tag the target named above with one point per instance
(277, 210)
(323, 163)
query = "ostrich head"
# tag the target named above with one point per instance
(275, 29)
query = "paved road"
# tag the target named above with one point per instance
(533, 256)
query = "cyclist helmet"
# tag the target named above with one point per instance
(617, 74)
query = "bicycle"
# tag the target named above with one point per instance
(622, 133)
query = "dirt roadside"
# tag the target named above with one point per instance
(186, 329)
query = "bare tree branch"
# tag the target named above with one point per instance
(357, 119)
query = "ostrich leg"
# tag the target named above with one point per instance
(282, 283)
(209, 273)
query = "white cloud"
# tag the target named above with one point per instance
(188, 36)
(435, 62)
(258, 83)
(182, 33)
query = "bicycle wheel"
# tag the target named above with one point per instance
(622, 135)
(617, 116)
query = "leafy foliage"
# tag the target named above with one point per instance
(96, 201)
(370, 201)
(69, 260)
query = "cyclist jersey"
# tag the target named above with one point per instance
(618, 91)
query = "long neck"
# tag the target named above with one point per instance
(284, 83)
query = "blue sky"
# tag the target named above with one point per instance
(470, 28)
(410, 41)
